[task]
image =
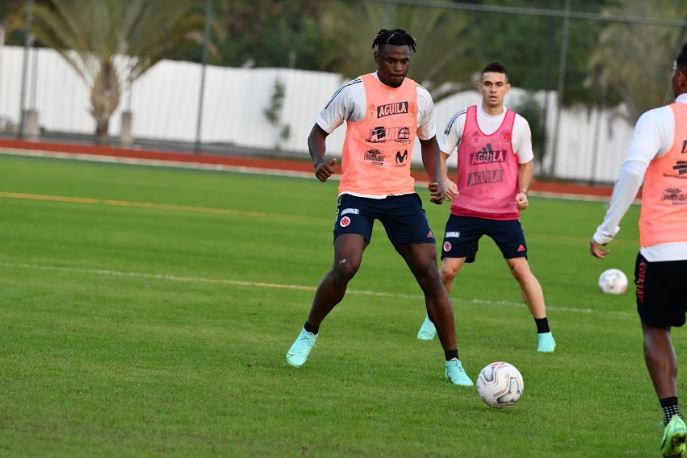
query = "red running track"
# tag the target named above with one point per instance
(100, 151)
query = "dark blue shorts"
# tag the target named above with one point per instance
(402, 216)
(463, 233)
(661, 299)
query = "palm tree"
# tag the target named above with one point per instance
(111, 43)
(636, 64)
(443, 63)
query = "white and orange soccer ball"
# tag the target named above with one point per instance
(500, 385)
(613, 281)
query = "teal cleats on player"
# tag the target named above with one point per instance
(674, 437)
(299, 351)
(456, 374)
(427, 330)
(545, 343)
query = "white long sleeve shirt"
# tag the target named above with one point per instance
(653, 137)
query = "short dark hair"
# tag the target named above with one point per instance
(681, 59)
(395, 37)
(495, 67)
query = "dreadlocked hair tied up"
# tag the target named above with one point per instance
(394, 37)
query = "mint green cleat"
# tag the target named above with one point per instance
(456, 374)
(674, 437)
(545, 343)
(427, 330)
(299, 351)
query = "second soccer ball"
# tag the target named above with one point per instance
(613, 281)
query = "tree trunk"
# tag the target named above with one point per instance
(105, 94)
(102, 126)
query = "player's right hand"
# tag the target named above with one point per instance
(598, 250)
(324, 169)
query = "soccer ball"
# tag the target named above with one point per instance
(613, 281)
(500, 385)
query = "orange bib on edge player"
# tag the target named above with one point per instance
(663, 214)
(487, 171)
(378, 149)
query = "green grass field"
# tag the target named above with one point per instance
(147, 311)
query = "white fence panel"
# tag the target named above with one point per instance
(164, 102)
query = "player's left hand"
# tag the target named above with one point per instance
(598, 250)
(436, 194)
(521, 201)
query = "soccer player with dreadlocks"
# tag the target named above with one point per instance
(384, 111)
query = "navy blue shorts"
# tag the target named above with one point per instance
(402, 216)
(661, 299)
(463, 233)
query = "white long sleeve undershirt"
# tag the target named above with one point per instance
(653, 137)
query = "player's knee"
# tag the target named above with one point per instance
(448, 273)
(520, 270)
(429, 276)
(345, 269)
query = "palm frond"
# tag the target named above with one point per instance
(112, 42)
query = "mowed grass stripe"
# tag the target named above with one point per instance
(218, 211)
(96, 364)
(156, 206)
(264, 285)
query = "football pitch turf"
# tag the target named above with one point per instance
(147, 312)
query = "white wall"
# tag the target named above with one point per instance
(165, 104)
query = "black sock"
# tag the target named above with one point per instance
(542, 325)
(310, 328)
(670, 408)
(450, 354)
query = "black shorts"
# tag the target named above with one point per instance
(661, 299)
(402, 216)
(463, 233)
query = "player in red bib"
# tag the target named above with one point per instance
(385, 112)
(495, 169)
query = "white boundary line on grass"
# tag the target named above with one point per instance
(254, 284)
(238, 169)
(158, 163)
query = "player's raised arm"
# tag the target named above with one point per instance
(317, 147)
